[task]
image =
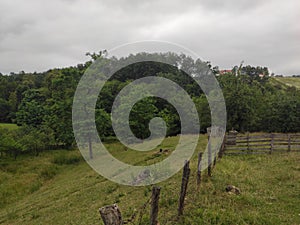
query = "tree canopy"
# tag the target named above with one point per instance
(42, 102)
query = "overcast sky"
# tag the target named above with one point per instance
(36, 35)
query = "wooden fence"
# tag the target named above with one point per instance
(111, 215)
(233, 144)
(261, 143)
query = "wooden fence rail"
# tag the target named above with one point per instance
(261, 144)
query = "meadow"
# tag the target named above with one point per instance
(290, 81)
(58, 187)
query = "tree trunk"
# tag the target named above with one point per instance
(15, 154)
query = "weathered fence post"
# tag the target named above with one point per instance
(199, 169)
(289, 143)
(222, 150)
(215, 160)
(209, 129)
(209, 168)
(184, 184)
(232, 137)
(272, 143)
(154, 205)
(248, 144)
(111, 215)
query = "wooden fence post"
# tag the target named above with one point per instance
(272, 143)
(248, 144)
(199, 169)
(154, 205)
(222, 150)
(111, 215)
(232, 135)
(209, 168)
(289, 143)
(184, 184)
(215, 160)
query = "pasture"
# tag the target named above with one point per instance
(290, 81)
(58, 187)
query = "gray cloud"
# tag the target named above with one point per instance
(36, 35)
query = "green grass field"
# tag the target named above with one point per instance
(290, 81)
(9, 126)
(58, 187)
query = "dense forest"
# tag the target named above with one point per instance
(41, 103)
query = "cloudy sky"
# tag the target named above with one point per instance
(36, 35)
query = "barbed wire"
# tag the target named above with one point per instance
(140, 212)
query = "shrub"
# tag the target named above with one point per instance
(64, 159)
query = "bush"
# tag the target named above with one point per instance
(64, 159)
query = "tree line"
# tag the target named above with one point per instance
(41, 103)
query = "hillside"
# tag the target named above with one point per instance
(289, 81)
(42, 186)
(59, 188)
(43, 102)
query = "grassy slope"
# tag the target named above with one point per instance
(290, 81)
(40, 191)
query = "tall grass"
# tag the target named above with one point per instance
(67, 159)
